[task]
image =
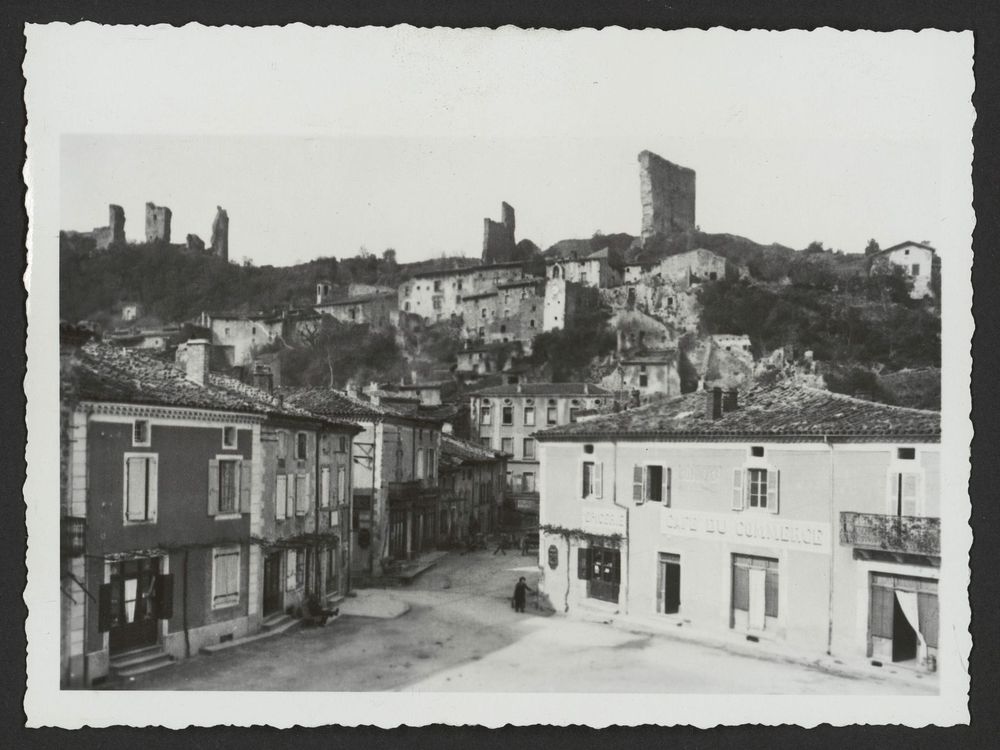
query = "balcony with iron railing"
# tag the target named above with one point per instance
(917, 535)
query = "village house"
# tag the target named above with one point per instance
(376, 309)
(513, 311)
(163, 510)
(394, 508)
(782, 513)
(591, 270)
(916, 259)
(472, 481)
(437, 295)
(684, 269)
(505, 418)
(649, 372)
(241, 336)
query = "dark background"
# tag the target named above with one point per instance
(886, 15)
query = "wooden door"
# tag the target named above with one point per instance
(272, 583)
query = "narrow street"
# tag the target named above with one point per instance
(462, 635)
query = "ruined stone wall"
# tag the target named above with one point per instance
(498, 237)
(220, 234)
(157, 223)
(667, 191)
(114, 233)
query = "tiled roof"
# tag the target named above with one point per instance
(786, 410)
(906, 244)
(329, 402)
(461, 451)
(546, 389)
(114, 374)
(466, 270)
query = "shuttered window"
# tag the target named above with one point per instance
(302, 488)
(280, 495)
(324, 490)
(904, 493)
(225, 577)
(140, 488)
(341, 485)
(741, 582)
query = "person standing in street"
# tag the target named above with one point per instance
(520, 594)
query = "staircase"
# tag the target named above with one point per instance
(279, 622)
(140, 661)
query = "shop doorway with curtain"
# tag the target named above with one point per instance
(903, 620)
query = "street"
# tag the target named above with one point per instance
(461, 634)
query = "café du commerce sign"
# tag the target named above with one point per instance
(747, 528)
(603, 519)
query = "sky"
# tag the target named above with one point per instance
(794, 137)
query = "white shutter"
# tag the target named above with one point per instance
(909, 494)
(153, 467)
(892, 493)
(738, 489)
(598, 480)
(638, 484)
(666, 487)
(213, 487)
(280, 495)
(324, 490)
(135, 490)
(341, 485)
(772, 490)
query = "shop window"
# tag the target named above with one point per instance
(755, 589)
(225, 577)
(651, 484)
(601, 568)
(903, 618)
(141, 483)
(668, 584)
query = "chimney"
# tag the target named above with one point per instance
(713, 403)
(413, 377)
(519, 389)
(263, 379)
(197, 361)
(730, 400)
(586, 389)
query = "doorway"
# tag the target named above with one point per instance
(904, 637)
(668, 589)
(134, 624)
(272, 583)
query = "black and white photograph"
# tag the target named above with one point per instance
(400, 376)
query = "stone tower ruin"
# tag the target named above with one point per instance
(220, 233)
(114, 232)
(157, 223)
(498, 236)
(667, 191)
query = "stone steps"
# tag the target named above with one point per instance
(141, 661)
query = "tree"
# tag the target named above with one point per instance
(815, 247)
(872, 248)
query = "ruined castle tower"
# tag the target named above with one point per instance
(220, 233)
(157, 223)
(667, 191)
(498, 236)
(114, 232)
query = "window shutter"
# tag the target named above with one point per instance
(737, 489)
(659, 585)
(324, 488)
(909, 494)
(772, 490)
(163, 596)
(599, 479)
(213, 487)
(154, 482)
(616, 567)
(135, 491)
(583, 563)
(308, 498)
(666, 487)
(104, 608)
(245, 486)
(301, 496)
(280, 495)
(638, 473)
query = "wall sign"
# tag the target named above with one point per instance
(603, 519)
(553, 557)
(756, 529)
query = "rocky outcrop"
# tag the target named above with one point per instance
(667, 191)
(220, 233)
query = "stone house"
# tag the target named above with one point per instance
(376, 309)
(654, 371)
(513, 311)
(916, 259)
(592, 270)
(782, 513)
(395, 501)
(163, 510)
(684, 269)
(437, 295)
(472, 486)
